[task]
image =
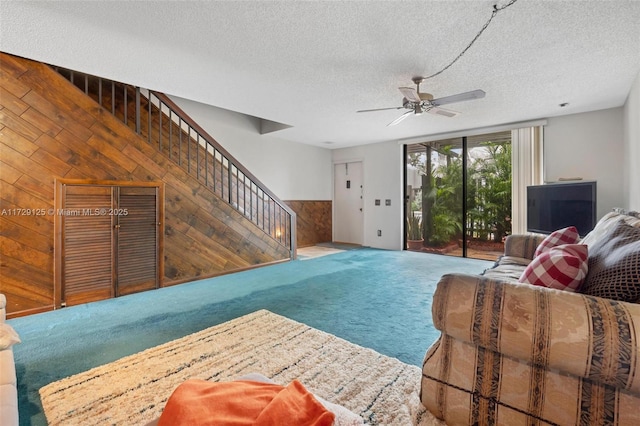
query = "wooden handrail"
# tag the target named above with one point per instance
(207, 137)
(233, 163)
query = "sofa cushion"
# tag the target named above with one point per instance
(614, 264)
(507, 268)
(568, 235)
(522, 245)
(562, 267)
(608, 222)
(8, 336)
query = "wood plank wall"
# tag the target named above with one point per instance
(48, 130)
(313, 221)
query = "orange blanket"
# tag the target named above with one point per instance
(202, 403)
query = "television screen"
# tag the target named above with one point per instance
(558, 205)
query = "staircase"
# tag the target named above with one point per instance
(155, 117)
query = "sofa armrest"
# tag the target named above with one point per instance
(576, 334)
(522, 245)
(3, 307)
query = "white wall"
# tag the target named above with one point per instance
(588, 145)
(591, 146)
(291, 170)
(383, 165)
(602, 145)
(632, 147)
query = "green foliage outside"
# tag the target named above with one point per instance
(488, 196)
(414, 228)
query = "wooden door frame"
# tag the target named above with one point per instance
(58, 203)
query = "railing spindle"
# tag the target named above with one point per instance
(198, 156)
(113, 97)
(189, 150)
(159, 126)
(126, 119)
(206, 166)
(149, 119)
(180, 144)
(138, 130)
(214, 170)
(100, 91)
(171, 134)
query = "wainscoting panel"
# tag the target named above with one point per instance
(313, 221)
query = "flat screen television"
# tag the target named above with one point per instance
(558, 205)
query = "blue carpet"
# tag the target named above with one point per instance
(375, 298)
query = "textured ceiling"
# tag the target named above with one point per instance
(312, 64)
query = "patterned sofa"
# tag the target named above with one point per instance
(513, 354)
(8, 387)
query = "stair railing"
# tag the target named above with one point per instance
(168, 128)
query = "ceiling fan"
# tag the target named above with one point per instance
(418, 103)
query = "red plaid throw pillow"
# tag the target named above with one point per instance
(563, 267)
(567, 235)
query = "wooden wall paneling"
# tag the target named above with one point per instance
(11, 85)
(68, 116)
(13, 65)
(49, 130)
(13, 103)
(55, 166)
(152, 168)
(73, 111)
(41, 122)
(314, 223)
(56, 150)
(27, 288)
(18, 125)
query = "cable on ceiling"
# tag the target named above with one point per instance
(495, 11)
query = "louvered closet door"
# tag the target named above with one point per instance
(87, 262)
(137, 239)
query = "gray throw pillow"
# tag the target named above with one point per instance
(614, 265)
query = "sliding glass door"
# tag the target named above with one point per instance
(459, 195)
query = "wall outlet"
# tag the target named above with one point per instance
(379, 232)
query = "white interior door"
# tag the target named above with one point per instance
(348, 218)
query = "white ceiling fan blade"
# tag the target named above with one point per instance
(410, 93)
(399, 119)
(379, 109)
(466, 96)
(442, 111)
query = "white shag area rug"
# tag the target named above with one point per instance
(134, 389)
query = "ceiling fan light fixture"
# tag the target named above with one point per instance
(417, 103)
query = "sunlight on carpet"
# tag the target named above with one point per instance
(312, 252)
